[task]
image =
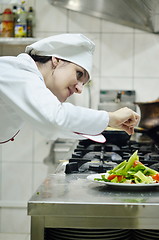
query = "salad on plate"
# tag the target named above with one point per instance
(130, 172)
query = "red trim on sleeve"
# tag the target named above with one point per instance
(11, 139)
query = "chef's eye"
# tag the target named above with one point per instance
(79, 74)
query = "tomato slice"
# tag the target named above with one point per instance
(110, 177)
(156, 177)
(136, 163)
(119, 178)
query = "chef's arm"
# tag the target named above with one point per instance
(125, 119)
(27, 94)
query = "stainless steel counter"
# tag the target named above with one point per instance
(71, 201)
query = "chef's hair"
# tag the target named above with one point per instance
(41, 59)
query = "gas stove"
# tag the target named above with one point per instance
(90, 157)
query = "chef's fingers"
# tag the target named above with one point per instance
(125, 119)
(128, 130)
(129, 124)
(133, 120)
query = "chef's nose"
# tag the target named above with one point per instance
(79, 87)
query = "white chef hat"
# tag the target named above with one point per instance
(75, 48)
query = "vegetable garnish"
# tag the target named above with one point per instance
(131, 172)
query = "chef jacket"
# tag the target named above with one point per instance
(24, 97)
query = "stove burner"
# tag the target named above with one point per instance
(96, 166)
(100, 168)
(106, 156)
(125, 155)
(155, 166)
(152, 156)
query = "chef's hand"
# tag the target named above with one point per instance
(125, 119)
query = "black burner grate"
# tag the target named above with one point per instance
(100, 155)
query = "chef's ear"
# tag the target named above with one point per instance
(55, 61)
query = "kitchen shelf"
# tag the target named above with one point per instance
(17, 41)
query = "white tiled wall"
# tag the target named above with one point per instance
(125, 58)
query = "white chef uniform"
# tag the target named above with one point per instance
(24, 97)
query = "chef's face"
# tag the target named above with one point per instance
(66, 79)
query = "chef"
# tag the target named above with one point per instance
(35, 85)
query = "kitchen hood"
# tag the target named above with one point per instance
(141, 14)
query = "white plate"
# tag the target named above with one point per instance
(120, 185)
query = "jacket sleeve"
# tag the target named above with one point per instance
(23, 88)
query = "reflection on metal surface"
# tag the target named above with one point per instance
(72, 201)
(142, 14)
